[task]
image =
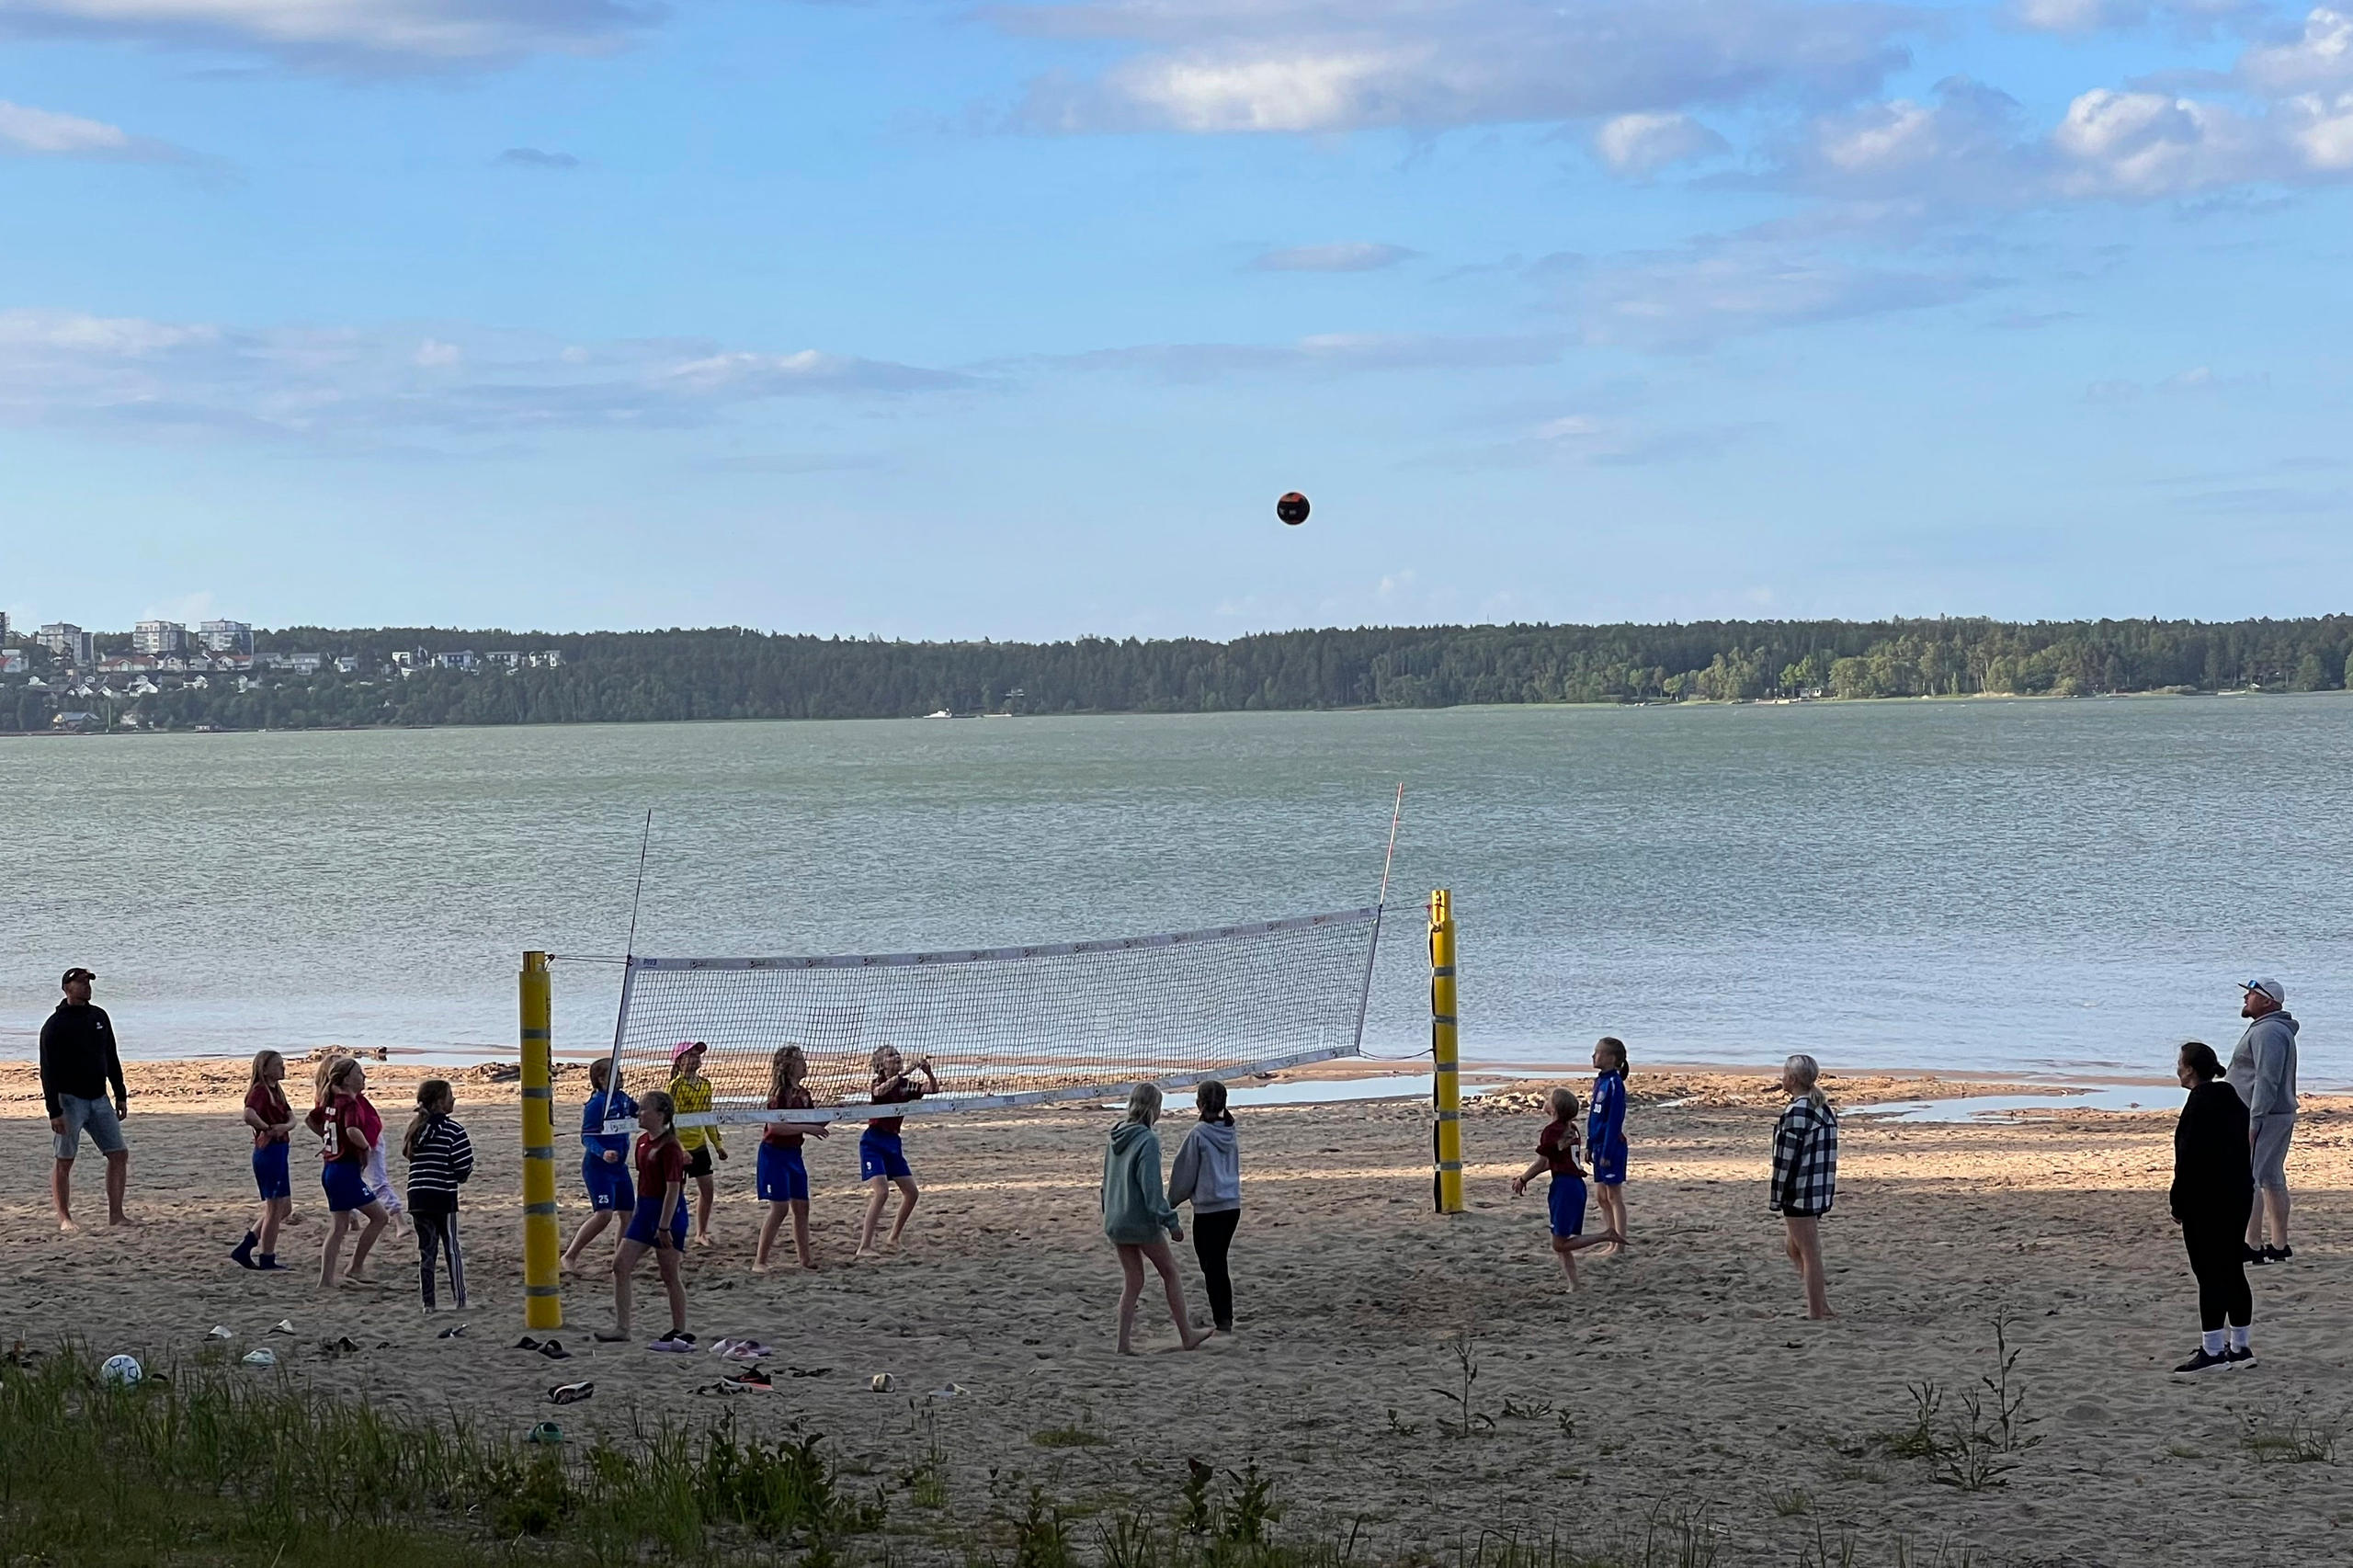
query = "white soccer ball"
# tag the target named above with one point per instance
(122, 1371)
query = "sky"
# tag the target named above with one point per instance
(1013, 320)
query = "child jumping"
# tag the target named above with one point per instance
(881, 1161)
(1556, 1151)
(1605, 1136)
(272, 1120)
(604, 1160)
(348, 1127)
(783, 1176)
(440, 1158)
(657, 1225)
(690, 1092)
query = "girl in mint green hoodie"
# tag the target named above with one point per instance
(1136, 1213)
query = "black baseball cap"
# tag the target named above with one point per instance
(77, 972)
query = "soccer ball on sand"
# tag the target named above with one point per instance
(122, 1371)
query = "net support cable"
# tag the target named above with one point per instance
(1005, 1027)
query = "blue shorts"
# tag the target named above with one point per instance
(1566, 1203)
(642, 1221)
(270, 1174)
(610, 1187)
(1610, 1164)
(879, 1154)
(97, 1115)
(784, 1175)
(346, 1187)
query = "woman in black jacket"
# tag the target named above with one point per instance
(2213, 1191)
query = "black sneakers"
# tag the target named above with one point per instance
(2240, 1360)
(2278, 1255)
(2202, 1362)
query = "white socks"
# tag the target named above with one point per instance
(2214, 1342)
(2239, 1336)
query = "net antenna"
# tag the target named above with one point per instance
(1012, 1026)
(645, 841)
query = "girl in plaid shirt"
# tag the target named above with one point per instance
(1805, 1174)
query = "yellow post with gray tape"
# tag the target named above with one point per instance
(543, 1292)
(1446, 1077)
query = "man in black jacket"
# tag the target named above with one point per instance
(78, 1066)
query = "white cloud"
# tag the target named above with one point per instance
(1348, 256)
(1645, 142)
(2097, 15)
(45, 133)
(1681, 302)
(2321, 57)
(1329, 65)
(129, 375)
(345, 34)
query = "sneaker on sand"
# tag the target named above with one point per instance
(2251, 1255)
(2202, 1362)
(2240, 1361)
(2278, 1255)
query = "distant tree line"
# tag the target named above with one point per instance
(736, 674)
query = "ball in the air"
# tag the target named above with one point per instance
(1292, 508)
(122, 1371)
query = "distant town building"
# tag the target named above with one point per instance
(300, 664)
(346, 664)
(225, 636)
(159, 637)
(69, 642)
(464, 660)
(74, 721)
(548, 659)
(505, 661)
(4, 626)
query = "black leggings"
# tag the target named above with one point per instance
(1212, 1234)
(2218, 1257)
(437, 1237)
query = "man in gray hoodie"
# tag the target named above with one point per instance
(2263, 1069)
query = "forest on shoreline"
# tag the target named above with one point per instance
(732, 673)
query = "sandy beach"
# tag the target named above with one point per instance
(1682, 1381)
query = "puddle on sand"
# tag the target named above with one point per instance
(1992, 1107)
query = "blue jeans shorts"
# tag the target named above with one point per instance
(97, 1117)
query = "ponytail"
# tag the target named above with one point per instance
(1807, 1073)
(1209, 1099)
(431, 1094)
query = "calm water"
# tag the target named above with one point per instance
(2064, 885)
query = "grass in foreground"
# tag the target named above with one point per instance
(207, 1469)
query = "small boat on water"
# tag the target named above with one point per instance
(942, 713)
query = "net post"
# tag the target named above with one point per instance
(1445, 1078)
(543, 1294)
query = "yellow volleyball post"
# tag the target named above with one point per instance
(1446, 1067)
(543, 1294)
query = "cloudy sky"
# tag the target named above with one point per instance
(1013, 319)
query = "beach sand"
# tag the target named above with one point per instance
(1681, 1382)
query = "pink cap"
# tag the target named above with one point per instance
(683, 1047)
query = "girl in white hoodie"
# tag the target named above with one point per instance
(1208, 1175)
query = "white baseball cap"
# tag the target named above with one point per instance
(2271, 988)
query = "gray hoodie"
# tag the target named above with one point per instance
(2263, 1068)
(1208, 1172)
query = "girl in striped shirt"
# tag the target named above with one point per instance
(440, 1158)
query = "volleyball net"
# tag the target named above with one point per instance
(1005, 1025)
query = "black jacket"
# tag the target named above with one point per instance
(2214, 1170)
(77, 1056)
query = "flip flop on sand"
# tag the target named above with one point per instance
(554, 1351)
(527, 1343)
(570, 1393)
(261, 1358)
(722, 1387)
(283, 1325)
(221, 1331)
(455, 1331)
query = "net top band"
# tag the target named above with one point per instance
(998, 955)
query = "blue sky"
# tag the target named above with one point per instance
(1013, 320)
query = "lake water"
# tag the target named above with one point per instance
(2062, 886)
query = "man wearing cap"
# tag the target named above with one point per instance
(78, 1064)
(2263, 1069)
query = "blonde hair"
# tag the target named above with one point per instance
(1563, 1102)
(333, 1073)
(1808, 1073)
(1143, 1104)
(262, 1059)
(431, 1094)
(785, 1055)
(874, 1061)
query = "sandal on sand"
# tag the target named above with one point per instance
(261, 1358)
(554, 1351)
(570, 1393)
(455, 1331)
(527, 1343)
(722, 1387)
(545, 1432)
(221, 1331)
(283, 1325)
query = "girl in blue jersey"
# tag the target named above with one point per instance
(1556, 1152)
(604, 1160)
(783, 1175)
(1605, 1136)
